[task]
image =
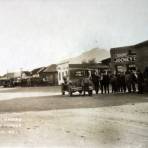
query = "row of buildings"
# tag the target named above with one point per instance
(37, 77)
(121, 59)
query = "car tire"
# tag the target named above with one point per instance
(63, 93)
(90, 92)
(70, 92)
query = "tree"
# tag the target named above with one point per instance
(92, 61)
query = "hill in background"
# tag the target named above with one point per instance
(95, 54)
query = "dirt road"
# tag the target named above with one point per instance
(40, 117)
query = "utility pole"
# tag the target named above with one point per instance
(21, 69)
(7, 74)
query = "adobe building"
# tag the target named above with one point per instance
(51, 74)
(130, 57)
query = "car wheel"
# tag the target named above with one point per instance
(90, 93)
(63, 93)
(70, 92)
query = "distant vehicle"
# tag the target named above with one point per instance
(77, 81)
(7, 83)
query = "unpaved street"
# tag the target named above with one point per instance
(41, 117)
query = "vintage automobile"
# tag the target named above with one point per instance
(7, 83)
(77, 81)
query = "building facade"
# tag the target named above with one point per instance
(123, 58)
(142, 56)
(62, 69)
(130, 57)
(51, 74)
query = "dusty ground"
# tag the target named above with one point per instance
(41, 117)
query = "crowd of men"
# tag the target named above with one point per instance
(129, 81)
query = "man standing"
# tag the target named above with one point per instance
(95, 80)
(133, 81)
(101, 82)
(113, 81)
(123, 83)
(140, 81)
(118, 81)
(106, 81)
(128, 81)
(85, 85)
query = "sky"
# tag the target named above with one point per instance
(36, 33)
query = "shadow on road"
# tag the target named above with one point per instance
(66, 102)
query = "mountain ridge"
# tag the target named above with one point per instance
(96, 54)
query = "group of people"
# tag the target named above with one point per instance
(119, 82)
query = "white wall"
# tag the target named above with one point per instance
(62, 71)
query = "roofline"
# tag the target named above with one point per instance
(122, 47)
(130, 46)
(142, 44)
(63, 63)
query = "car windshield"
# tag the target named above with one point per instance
(78, 73)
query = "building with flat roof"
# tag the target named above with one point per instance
(123, 58)
(129, 57)
(142, 56)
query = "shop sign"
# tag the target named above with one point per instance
(125, 59)
(121, 55)
(121, 68)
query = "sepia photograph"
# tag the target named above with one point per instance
(73, 74)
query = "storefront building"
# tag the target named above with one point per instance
(142, 56)
(123, 58)
(130, 57)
